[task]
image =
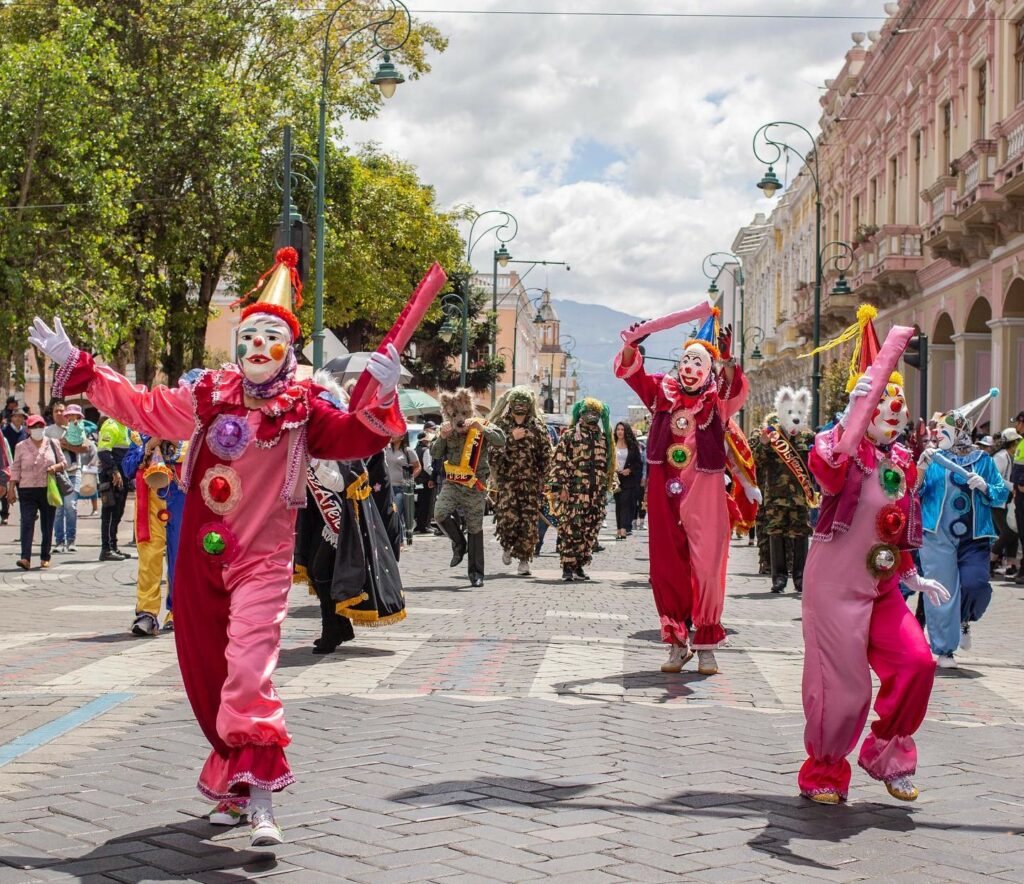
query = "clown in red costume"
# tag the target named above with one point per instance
(687, 498)
(854, 617)
(253, 429)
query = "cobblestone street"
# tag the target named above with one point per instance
(516, 732)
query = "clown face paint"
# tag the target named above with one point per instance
(890, 417)
(263, 343)
(946, 432)
(694, 367)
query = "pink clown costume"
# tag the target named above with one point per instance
(687, 498)
(854, 617)
(245, 480)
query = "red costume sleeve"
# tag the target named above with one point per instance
(827, 466)
(346, 435)
(163, 412)
(644, 385)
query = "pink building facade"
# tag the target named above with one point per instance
(921, 153)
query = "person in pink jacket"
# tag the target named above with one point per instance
(854, 617)
(252, 429)
(686, 493)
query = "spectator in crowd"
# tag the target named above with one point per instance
(13, 432)
(89, 464)
(629, 471)
(1004, 550)
(33, 461)
(115, 440)
(403, 468)
(71, 440)
(10, 407)
(426, 479)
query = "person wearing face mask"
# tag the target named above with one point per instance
(582, 472)
(253, 429)
(686, 494)
(961, 486)
(520, 470)
(33, 461)
(854, 617)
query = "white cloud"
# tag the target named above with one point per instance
(501, 121)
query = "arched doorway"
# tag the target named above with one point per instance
(974, 355)
(942, 380)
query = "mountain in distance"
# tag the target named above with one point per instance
(596, 330)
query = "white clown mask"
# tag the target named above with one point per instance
(950, 429)
(890, 417)
(263, 343)
(694, 367)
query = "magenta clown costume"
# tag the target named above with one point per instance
(253, 429)
(854, 617)
(687, 501)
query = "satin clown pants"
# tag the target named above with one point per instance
(962, 567)
(689, 551)
(227, 631)
(151, 562)
(846, 631)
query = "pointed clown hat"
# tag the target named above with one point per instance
(865, 348)
(707, 335)
(275, 292)
(966, 417)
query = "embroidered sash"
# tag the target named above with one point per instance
(787, 454)
(464, 472)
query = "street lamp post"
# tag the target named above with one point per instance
(455, 304)
(537, 320)
(386, 78)
(769, 185)
(711, 263)
(504, 231)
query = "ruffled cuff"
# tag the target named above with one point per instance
(384, 421)
(75, 375)
(630, 370)
(262, 765)
(888, 759)
(707, 638)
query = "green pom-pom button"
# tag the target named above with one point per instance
(214, 543)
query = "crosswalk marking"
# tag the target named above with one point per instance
(576, 671)
(359, 668)
(587, 615)
(82, 609)
(138, 663)
(782, 671)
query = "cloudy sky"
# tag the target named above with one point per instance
(621, 144)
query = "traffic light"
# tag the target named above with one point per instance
(299, 239)
(916, 356)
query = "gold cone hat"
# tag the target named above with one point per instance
(278, 290)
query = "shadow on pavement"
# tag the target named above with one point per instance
(113, 638)
(189, 839)
(674, 685)
(788, 817)
(304, 656)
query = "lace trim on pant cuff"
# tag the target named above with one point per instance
(808, 793)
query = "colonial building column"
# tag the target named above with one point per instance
(1007, 368)
(973, 364)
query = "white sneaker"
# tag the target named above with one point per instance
(229, 812)
(706, 663)
(965, 636)
(506, 557)
(71, 547)
(524, 568)
(678, 657)
(145, 624)
(263, 830)
(58, 548)
(945, 661)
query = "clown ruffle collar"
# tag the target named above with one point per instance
(286, 411)
(701, 403)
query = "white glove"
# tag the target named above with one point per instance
(54, 342)
(934, 591)
(925, 459)
(977, 483)
(387, 371)
(753, 493)
(863, 386)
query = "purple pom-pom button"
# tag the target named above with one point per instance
(229, 436)
(674, 487)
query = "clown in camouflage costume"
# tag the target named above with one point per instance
(580, 477)
(520, 473)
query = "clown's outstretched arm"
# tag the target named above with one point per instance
(348, 435)
(629, 366)
(163, 412)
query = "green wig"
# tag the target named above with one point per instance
(509, 398)
(591, 404)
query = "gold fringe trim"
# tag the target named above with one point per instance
(341, 607)
(370, 618)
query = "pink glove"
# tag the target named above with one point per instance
(934, 591)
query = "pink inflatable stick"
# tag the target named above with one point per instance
(883, 366)
(701, 311)
(402, 331)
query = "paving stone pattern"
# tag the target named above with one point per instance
(518, 732)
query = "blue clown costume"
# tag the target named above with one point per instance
(958, 528)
